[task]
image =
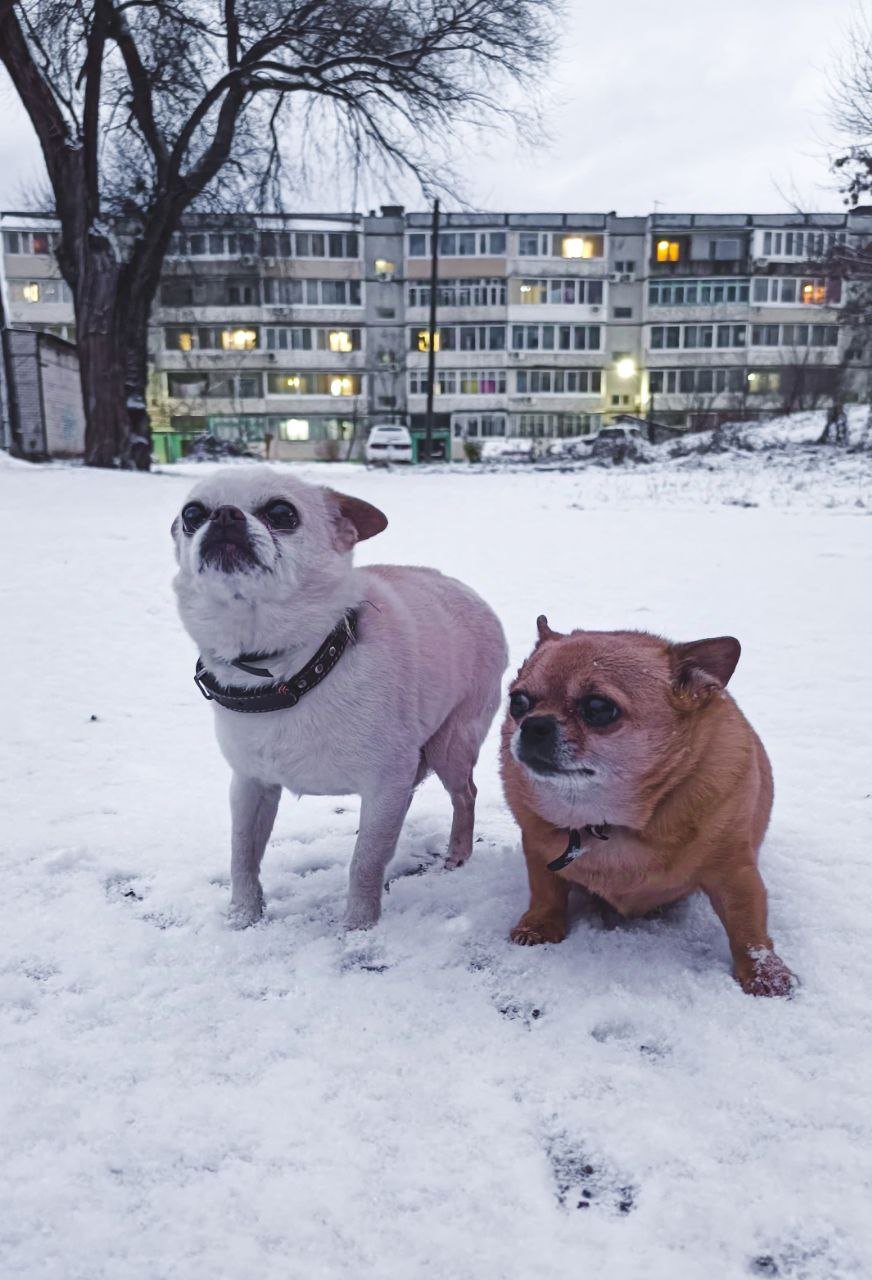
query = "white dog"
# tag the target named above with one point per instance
(326, 679)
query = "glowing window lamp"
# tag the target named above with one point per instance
(339, 340)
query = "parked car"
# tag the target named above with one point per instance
(388, 442)
(617, 443)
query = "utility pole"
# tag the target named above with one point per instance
(431, 329)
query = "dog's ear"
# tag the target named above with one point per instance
(355, 520)
(703, 667)
(545, 632)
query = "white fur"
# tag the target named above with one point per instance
(416, 692)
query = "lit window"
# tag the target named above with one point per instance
(30, 292)
(423, 340)
(239, 339)
(292, 382)
(339, 340)
(581, 247)
(814, 291)
(342, 386)
(294, 429)
(185, 340)
(384, 267)
(668, 250)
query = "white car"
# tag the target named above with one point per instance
(388, 442)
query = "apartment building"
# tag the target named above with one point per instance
(302, 330)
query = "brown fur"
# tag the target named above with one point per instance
(681, 778)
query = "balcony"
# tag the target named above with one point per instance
(700, 267)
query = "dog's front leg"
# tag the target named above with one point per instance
(253, 808)
(545, 918)
(381, 819)
(739, 898)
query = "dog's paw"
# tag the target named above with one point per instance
(763, 973)
(244, 913)
(457, 859)
(361, 913)
(531, 930)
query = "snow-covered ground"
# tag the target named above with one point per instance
(184, 1102)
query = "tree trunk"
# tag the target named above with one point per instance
(112, 337)
(132, 329)
(106, 443)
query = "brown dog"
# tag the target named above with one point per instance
(633, 774)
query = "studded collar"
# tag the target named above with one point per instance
(283, 693)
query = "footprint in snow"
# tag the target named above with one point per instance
(625, 1033)
(582, 1183)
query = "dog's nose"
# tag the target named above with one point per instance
(539, 738)
(538, 731)
(225, 515)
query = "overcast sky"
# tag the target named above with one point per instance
(690, 104)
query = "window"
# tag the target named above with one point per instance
(477, 292)
(446, 382)
(496, 243)
(341, 340)
(28, 242)
(312, 293)
(310, 244)
(469, 382)
(528, 244)
(667, 251)
(533, 292)
(384, 268)
(294, 429)
(418, 246)
(731, 335)
(763, 381)
(239, 339)
(313, 384)
(576, 337)
(558, 381)
(288, 339)
(276, 244)
(214, 386)
(39, 291)
(342, 244)
(725, 250)
(622, 313)
(665, 336)
(692, 293)
(579, 246)
(241, 294)
(178, 338)
(813, 292)
(565, 291)
(765, 335)
(698, 335)
(420, 340)
(480, 424)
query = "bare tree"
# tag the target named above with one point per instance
(141, 106)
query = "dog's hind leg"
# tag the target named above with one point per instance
(452, 753)
(253, 808)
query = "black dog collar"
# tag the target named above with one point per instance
(570, 853)
(285, 693)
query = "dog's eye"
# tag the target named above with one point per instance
(193, 516)
(279, 514)
(519, 704)
(597, 711)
